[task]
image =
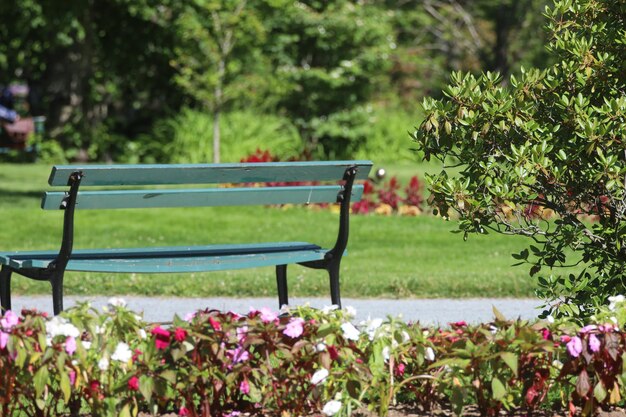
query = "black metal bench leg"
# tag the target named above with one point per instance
(281, 281)
(57, 293)
(333, 273)
(5, 287)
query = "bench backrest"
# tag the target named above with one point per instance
(202, 174)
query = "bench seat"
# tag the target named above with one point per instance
(172, 259)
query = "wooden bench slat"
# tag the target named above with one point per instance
(115, 199)
(104, 175)
(174, 259)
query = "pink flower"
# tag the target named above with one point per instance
(215, 324)
(70, 345)
(267, 315)
(162, 337)
(242, 332)
(459, 323)
(183, 411)
(4, 339)
(588, 328)
(594, 343)
(72, 375)
(565, 339)
(133, 383)
(244, 387)
(189, 317)
(575, 346)
(294, 328)
(9, 320)
(180, 334)
(238, 354)
(545, 334)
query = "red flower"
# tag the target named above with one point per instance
(183, 411)
(545, 334)
(180, 334)
(133, 383)
(215, 324)
(94, 390)
(333, 352)
(399, 369)
(459, 324)
(136, 354)
(94, 386)
(162, 337)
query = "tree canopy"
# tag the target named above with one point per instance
(105, 71)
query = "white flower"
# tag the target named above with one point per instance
(86, 344)
(613, 319)
(385, 353)
(103, 364)
(615, 300)
(371, 326)
(59, 326)
(122, 353)
(550, 319)
(116, 302)
(430, 354)
(320, 347)
(332, 407)
(142, 333)
(405, 336)
(319, 376)
(350, 332)
(557, 364)
(350, 311)
(328, 309)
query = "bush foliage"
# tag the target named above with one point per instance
(551, 141)
(306, 361)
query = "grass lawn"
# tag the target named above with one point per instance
(388, 256)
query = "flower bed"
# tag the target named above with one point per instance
(307, 361)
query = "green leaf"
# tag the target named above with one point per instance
(169, 376)
(40, 380)
(41, 404)
(599, 392)
(498, 389)
(456, 400)
(582, 383)
(511, 360)
(146, 385)
(125, 412)
(66, 386)
(499, 316)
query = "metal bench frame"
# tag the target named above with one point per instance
(55, 270)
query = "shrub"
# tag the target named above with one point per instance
(187, 137)
(303, 361)
(552, 140)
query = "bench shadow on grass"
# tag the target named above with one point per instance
(9, 197)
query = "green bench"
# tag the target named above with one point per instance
(51, 265)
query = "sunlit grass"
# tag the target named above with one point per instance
(387, 256)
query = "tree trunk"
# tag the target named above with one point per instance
(216, 136)
(217, 109)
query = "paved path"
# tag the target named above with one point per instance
(427, 311)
